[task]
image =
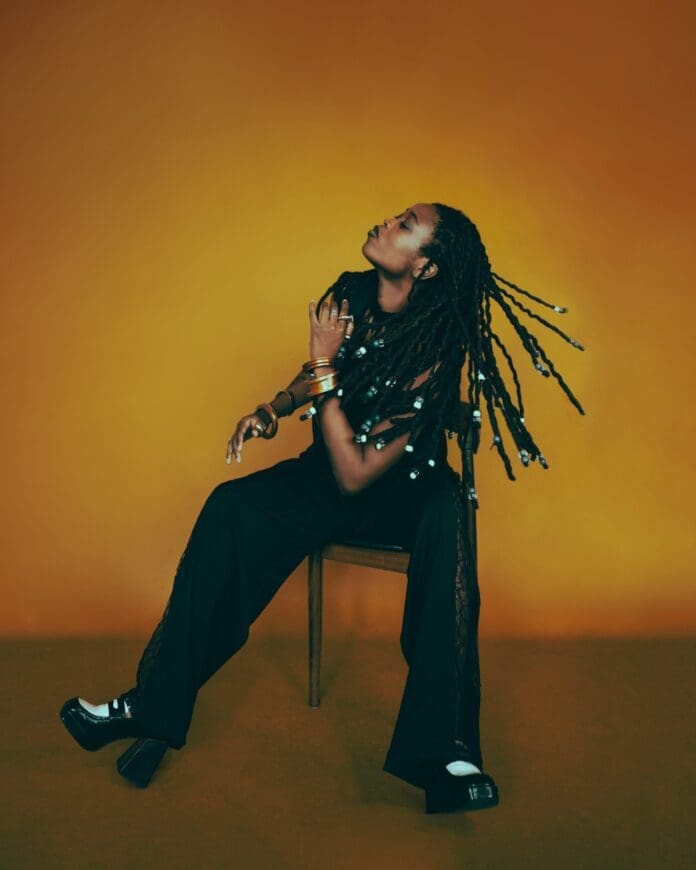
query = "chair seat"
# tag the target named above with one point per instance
(385, 555)
(370, 544)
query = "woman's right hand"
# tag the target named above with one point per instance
(250, 426)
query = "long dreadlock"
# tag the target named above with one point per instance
(445, 323)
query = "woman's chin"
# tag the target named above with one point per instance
(365, 251)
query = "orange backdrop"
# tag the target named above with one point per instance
(180, 179)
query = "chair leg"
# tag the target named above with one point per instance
(314, 575)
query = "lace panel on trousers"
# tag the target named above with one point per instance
(467, 607)
(149, 655)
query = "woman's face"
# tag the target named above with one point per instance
(394, 245)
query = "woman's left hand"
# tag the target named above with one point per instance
(326, 331)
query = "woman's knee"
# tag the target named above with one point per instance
(224, 493)
(222, 501)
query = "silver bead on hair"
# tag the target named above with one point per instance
(339, 391)
(541, 368)
(560, 309)
(409, 448)
(379, 443)
(414, 473)
(431, 463)
(361, 351)
(576, 344)
(481, 376)
(524, 456)
(477, 416)
(418, 402)
(542, 461)
(378, 342)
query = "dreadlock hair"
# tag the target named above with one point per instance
(445, 324)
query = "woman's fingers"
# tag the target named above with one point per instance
(244, 426)
(231, 449)
(328, 312)
(250, 424)
(347, 324)
(320, 316)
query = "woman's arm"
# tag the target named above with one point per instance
(298, 387)
(354, 466)
(345, 455)
(281, 404)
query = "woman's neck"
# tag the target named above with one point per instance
(391, 296)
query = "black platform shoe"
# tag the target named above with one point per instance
(91, 731)
(446, 792)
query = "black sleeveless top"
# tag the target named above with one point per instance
(363, 302)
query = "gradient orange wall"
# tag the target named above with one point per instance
(180, 179)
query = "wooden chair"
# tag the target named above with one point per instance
(375, 554)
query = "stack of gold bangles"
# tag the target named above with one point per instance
(317, 386)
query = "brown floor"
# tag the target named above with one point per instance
(591, 743)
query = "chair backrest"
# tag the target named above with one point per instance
(463, 423)
(471, 435)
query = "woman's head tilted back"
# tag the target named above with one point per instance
(433, 250)
(433, 259)
(395, 247)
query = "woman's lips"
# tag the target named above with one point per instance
(374, 232)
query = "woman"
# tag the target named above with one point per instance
(383, 387)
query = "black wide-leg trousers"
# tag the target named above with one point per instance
(250, 535)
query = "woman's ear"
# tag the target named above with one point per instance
(427, 271)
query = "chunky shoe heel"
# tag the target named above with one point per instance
(446, 792)
(139, 761)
